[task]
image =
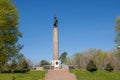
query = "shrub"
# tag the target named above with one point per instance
(91, 66)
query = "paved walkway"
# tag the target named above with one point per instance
(59, 75)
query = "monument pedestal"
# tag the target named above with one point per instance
(56, 64)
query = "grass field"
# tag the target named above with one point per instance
(98, 75)
(80, 74)
(32, 75)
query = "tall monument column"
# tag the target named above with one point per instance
(56, 63)
(55, 40)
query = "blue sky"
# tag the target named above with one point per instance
(83, 24)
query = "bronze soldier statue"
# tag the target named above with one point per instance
(55, 22)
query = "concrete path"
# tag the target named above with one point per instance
(59, 75)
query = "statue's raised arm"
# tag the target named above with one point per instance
(55, 22)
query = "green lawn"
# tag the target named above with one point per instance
(32, 75)
(80, 74)
(98, 75)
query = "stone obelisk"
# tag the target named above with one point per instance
(55, 40)
(55, 63)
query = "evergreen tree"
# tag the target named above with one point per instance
(63, 57)
(91, 66)
(9, 31)
(109, 67)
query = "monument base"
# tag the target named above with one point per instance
(56, 64)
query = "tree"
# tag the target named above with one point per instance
(9, 31)
(91, 66)
(109, 67)
(117, 29)
(20, 57)
(77, 60)
(117, 38)
(31, 63)
(3, 60)
(13, 66)
(63, 57)
(25, 66)
(44, 62)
